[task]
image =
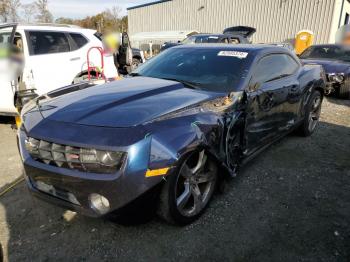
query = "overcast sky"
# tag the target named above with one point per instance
(82, 8)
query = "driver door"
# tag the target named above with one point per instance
(270, 113)
(125, 52)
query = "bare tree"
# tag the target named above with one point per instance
(114, 14)
(3, 11)
(29, 11)
(13, 7)
(44, 15)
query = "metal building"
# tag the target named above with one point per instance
(275, 20)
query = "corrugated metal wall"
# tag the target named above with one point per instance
(275, 20)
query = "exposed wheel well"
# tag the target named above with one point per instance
(321, 90)
(137, 57)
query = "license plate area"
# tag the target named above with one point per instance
(56, 192)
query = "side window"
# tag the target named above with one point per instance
(78, 41)
(234, 40)
(274, 67)
(224, 40)
(48, 42)
(5, 37)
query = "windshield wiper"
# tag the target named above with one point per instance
(189, 84)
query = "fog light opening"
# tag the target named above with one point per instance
(99, 203)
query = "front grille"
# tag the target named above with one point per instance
(78, 158)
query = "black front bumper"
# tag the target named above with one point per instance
(73, 192)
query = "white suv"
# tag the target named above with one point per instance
(54, 56)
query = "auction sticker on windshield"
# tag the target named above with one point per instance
(233, 54)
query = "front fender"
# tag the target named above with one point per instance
(184, 135)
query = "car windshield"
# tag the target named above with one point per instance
(201, 39)
(326, 52)
(203, 68)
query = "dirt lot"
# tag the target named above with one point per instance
(292, 203)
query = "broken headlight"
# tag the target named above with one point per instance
(336, 77)
(82, 159)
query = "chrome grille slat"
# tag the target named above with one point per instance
(66, 156)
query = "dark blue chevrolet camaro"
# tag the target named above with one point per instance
(180, 123)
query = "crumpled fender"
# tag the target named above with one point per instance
(171, 144)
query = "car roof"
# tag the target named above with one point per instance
(328, 45)
(52, 27)
(255, 48)
(217, 35)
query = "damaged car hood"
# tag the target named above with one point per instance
(124, 103)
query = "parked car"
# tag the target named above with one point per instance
(232, 35)
(54, 54)
(335, 60)
(138, 58)
(285, 45)
(170, 127)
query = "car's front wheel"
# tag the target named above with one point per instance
(312, 114)
(344, 90)
(187, 192)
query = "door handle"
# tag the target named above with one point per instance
(75, 58)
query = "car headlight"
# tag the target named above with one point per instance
(82, 159)
(336, 77)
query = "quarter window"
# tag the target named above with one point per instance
(78, 41)
(48, 43)
(273, 67)
(234, 40)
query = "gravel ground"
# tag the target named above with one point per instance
(292, 203)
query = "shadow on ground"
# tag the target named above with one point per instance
(7, 120)
(338, 101)
(290, 204)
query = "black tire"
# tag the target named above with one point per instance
(312, 114)
(344, 90)
(180, 201)
(84, 77)
(135, 63)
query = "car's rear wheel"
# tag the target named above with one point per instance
(344, 90)
(312, 114)
(188, 191)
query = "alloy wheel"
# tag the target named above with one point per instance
(195, 184)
